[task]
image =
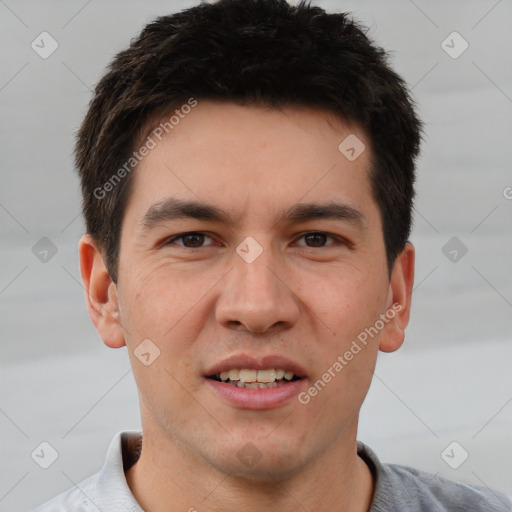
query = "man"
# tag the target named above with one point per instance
(247, 170)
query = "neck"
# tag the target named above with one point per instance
(168, 478)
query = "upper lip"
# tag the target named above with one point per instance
(240, 361)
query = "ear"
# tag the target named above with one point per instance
(101, 293)
(399, 300)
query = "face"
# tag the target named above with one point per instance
(250, 242)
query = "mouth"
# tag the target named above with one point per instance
(245, 382)
(255, 379)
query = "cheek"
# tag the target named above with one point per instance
(347, 303)
(169, 308)
(157, 301)
(349, 308)
(159, 307)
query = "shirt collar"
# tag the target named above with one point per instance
(112, 490)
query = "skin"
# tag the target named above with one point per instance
(304, 298)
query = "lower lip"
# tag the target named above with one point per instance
(256, 399)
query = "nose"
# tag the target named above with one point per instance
(257, 297)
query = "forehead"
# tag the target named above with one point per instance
(247, 158)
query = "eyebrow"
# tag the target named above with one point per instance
(172, 208)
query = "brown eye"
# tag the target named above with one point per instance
(190, 240)
(315, 239)
(193, 240)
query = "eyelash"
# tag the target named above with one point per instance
(337, 240)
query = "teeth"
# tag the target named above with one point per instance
(255, 385)
(247, 376)
(234, 375)
(266, 376)
(280, 374)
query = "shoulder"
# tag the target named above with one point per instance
(425, 491)
(400, 488)
(106, 490)
(90, 496)
(72, 500)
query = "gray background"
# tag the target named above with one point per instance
(451, 381)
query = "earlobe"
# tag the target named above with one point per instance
(101, 293)
(399, 300)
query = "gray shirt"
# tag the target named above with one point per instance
(397, 488)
